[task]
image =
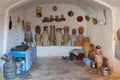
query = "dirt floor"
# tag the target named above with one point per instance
(55, 68)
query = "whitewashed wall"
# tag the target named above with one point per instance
(16, 34)
(116, 19)
(102, 34)
(2, 16)
(30, 15)
(61, 9)
(2, 29)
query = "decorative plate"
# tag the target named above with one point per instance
(79, 18)
(70, 13)
(54, 8)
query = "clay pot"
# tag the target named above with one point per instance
(86, 47)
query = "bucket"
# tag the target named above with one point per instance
(105, 71)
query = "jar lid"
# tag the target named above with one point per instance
(6, 57)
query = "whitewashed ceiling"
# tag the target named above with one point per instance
(6, 3)
(114, 3)
(81, 3)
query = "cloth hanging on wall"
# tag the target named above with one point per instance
(117, 50)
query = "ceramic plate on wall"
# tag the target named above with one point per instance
(70, 13)
(54, 8)
(79, 18)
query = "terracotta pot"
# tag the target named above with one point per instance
(86, 47)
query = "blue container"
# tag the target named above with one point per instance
(9, 69)
(87, 61)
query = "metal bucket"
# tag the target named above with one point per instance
(105, 71)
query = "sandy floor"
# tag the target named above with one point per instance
(55, 68)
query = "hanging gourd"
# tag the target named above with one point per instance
(10, 23)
